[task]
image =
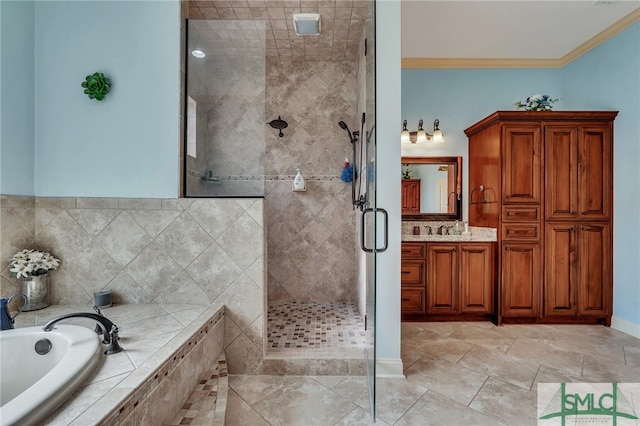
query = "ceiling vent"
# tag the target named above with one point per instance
(306, 23)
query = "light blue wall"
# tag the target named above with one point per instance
(606, 78)
(388, 61)
(127, 145)
(17, 100)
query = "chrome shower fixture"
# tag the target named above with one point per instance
(278, 124)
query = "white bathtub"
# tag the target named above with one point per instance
(33, 385)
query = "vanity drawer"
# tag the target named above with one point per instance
(412, 250)
(412, 273)
(521, 231)
(520, 213)
(412, 301)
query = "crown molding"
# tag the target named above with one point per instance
(596, 40)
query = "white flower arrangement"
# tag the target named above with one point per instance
(537, 102)
(28, 263)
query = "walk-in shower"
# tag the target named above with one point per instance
(236, 147)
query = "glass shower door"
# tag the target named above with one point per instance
(371, 215)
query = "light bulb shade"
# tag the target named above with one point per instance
(421, 135)
(437, 137)
(405, 137)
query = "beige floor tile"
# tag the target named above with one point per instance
(451, 380)
(305, 403)
(510, 404)
(438, 410)
(239, 413)
(514, 370)
(394, 397)
(449, 349)
(544, 354)
(254, 388)
(360, 417)
(600, 370)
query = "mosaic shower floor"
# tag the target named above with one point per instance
(296, 325)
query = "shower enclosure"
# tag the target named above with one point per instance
(242, 75)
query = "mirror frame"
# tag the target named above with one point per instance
(457, 214)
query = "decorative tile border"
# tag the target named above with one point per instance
(119, 414)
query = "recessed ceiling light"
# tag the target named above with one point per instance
(198, 53)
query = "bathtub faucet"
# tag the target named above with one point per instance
(109, 329)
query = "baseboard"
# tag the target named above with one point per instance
(389, 369)
(625, 326)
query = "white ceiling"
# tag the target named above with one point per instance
(505, 29)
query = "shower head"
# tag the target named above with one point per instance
(344, 126)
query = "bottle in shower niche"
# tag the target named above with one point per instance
(298, 182)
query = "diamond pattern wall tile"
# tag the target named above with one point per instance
(123, 238)
(215, 217)
(93, 220)
(151, 267)
(242, 300)
(243, 241)
(183, 289)
(126, 290)
(214, 271)
(155, 221)
(184, 239)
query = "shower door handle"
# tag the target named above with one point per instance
(363, 245)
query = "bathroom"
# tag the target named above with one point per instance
(155, 132)
(155, 248)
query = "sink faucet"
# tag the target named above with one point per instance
(109, 329)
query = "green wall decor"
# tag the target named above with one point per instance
(96, 86)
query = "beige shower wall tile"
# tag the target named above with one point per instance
(244, 357)
(183, 289)
(243, 301)
(242, 241)
(184, 239)
(214, 271)
(215, 217)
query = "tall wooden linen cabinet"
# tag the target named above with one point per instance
(545, 181)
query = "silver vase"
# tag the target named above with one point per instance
(37, 290)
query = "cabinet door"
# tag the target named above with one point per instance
(561, 172)
(442, 278)
(521, 161)
(520, 279)
(476, 278)
(412, 301)
(561, 269)
(595, 270)
(411, 196)
(595, 172)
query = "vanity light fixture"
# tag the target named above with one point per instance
(421, 136)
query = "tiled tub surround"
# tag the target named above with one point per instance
(168, 349)
(477, 233)
(150, 251)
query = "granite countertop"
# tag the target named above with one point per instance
(480, 234)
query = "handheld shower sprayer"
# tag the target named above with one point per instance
(354, 136)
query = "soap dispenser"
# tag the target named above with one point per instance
(298, 182)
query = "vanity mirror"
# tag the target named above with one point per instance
(431, 188)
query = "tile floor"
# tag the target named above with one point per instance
(295, 325)
(457, 373)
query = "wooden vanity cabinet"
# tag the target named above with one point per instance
(458, 281)
(548, 182)
(410, 196)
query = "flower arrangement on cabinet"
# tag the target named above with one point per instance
(537, 102)
(29, 262)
